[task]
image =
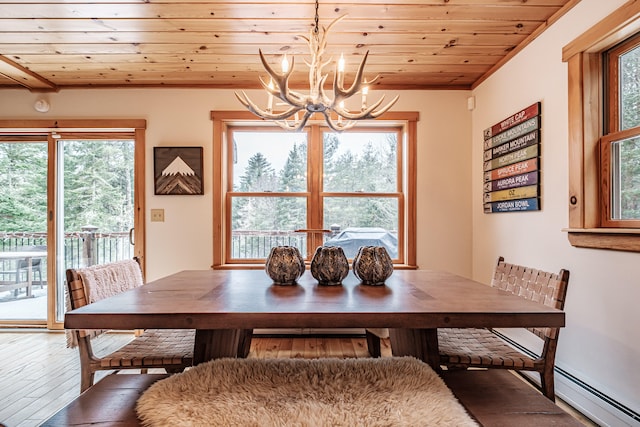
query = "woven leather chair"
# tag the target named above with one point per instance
(483, 348)
(171, 349)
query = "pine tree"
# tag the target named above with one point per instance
(291, 211)
(98, 185)
(23, 205)
(257, 213)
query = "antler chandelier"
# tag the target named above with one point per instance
(317, 100)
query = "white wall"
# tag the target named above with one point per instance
(182, 117)
(601, 343)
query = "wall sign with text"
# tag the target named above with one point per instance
(512, 163)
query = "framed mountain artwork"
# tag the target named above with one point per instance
(177, 170)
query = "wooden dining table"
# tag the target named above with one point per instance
(222, 305)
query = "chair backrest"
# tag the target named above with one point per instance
(543, 287)
(34, 262)
(91, 284)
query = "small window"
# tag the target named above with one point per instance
(620, 145)
(604, 126)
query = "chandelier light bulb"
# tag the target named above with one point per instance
(341, 70)
(285, 64)
(365, 91)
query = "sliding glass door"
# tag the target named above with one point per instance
(71, 196)
(94, 203)
(23, 229)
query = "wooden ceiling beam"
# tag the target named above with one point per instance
(25, 77)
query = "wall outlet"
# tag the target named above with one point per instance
(157, 215)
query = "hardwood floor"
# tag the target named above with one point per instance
(39, 375)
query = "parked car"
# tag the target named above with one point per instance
(352, 238)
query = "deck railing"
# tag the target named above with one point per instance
(81, 249)
(247, 244)
(89, 247)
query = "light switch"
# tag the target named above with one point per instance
(157, 215)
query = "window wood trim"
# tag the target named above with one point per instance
(585, 108)
(223, 119)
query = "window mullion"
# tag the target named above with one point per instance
(314, 202)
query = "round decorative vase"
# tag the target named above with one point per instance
(372, 265)
(329, 265)
(284, 265)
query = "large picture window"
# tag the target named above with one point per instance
(312, 188)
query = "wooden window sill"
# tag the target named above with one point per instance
(616, 239)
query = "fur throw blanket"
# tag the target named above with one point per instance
(398, 391)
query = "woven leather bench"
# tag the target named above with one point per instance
(492, 397)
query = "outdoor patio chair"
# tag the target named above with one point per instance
(36, 264)
(171, 349)
(484, 348)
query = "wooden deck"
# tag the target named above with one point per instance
(40, 375)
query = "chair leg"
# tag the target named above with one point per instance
(547, 385)
(39, 271)
(373, 344)
(86, 379)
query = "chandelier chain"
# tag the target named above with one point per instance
(317, 19)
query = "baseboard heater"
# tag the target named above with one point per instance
(588, 389)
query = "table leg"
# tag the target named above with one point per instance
(244, 343)
(419, 343)
(217, 343)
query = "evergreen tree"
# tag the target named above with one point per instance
(23, 205)
(258, 176)
(291, 211)
(293, 177)
(630, 179)
(371, 169)
(98, 185)
(257, 213)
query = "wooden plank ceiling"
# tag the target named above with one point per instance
(48, 45)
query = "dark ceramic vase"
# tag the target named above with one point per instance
(329, 265)
(284, 265)
(372, 265)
